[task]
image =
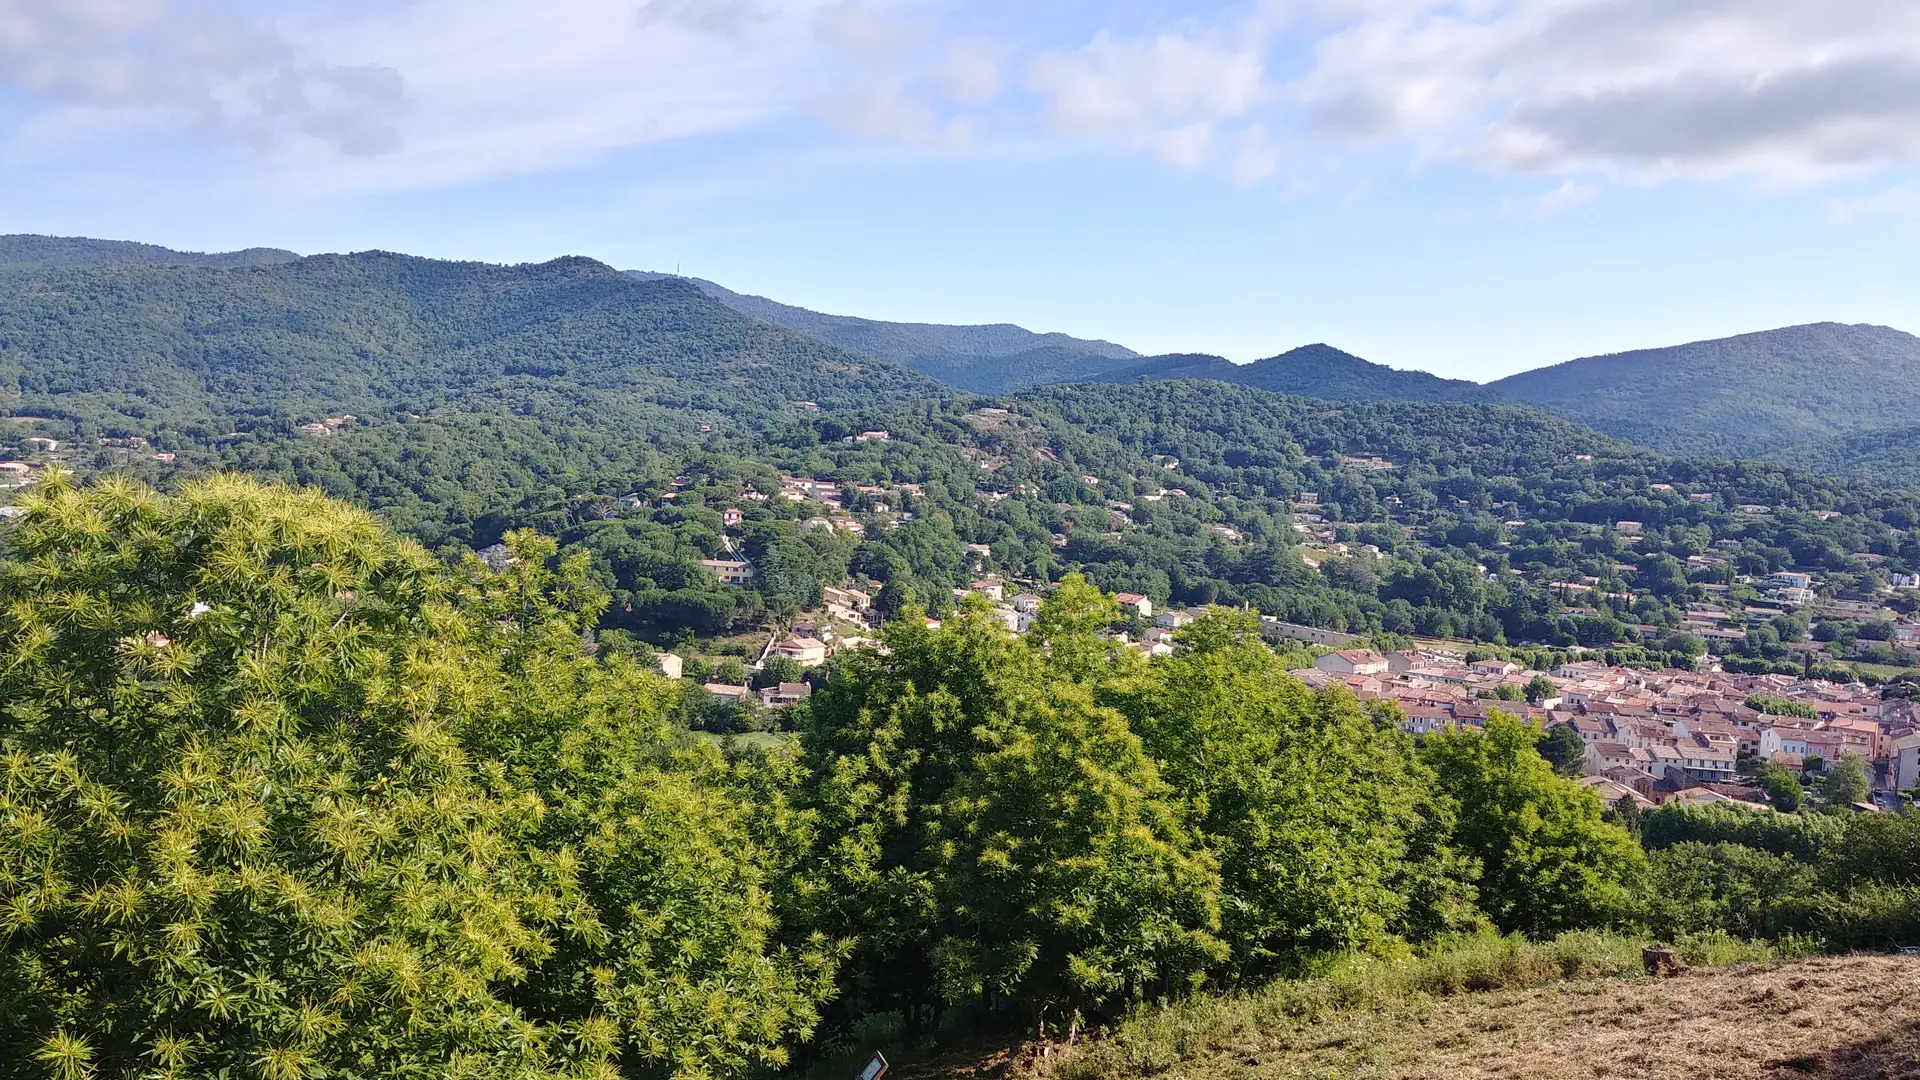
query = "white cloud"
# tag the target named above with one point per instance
(1788, 90)
(1898, 202)
(1111, 86)
(1190, 146)
(366, 95)
(886, 110)
(1256, 156)
(975, 71)
(212, 67)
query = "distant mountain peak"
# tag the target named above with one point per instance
(990, 358)
(1748, 395)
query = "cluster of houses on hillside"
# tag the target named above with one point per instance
(1657, 734)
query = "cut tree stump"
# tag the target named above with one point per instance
(1661, 961)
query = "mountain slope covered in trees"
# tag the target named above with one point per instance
(29, 252)
(1747, 396)
(988, 359)
(135, 349)
(1319, 371)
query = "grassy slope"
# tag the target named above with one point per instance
(1830, 1017)
(1576, 1008)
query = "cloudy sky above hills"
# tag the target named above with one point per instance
(1472, 187)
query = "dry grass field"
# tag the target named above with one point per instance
(1817, 1018)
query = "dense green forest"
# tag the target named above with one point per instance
(624, 416)
(1748, 396)
(1491, 523)
(1318, 371)
(195, 353)
(991, 359)
(282, 794)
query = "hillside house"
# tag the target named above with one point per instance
(727, 692)
(670, 665)
(785, 694)
(1136, 604)
(806, 651)
(729, 571)
(1353, 662)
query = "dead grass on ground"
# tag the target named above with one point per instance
(1827, 1018)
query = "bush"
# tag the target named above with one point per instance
(1874, 849)
(1800, 837)
(1695, 888)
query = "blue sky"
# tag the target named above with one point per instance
(1473, 187)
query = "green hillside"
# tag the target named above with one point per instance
(990, 359)
(205, 350)
(1748, 396)
(22, 251)
(1319, 371)
(622, 416)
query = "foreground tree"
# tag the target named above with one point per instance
(1325, 824)
(992, 837)
(241, 837)
(1550, 862)
(280, 797)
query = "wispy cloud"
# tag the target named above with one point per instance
(214, 69)
(1645, 90)
(382, 94)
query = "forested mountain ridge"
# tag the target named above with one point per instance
(140, 349)
(30, 252)
(988, 359)
(1746, 396)
(1317, 370)
(567, 396)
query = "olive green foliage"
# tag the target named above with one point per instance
(1774, 706)
(1549, 861)
(280, 797)
(1800, 836)
(1325, 824)
(1874, 849)
(237, 829)
(1784, 789)
(1845, 783)
(679, 853)
(1563, 747)
(992, 835)
(1695, 888)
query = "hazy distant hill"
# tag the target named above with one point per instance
(134, 348)
(1320, 371)
(1747, 396)
(992, 359)
(22, 251)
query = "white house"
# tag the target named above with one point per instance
(1353, 662)
(805, 651)
(1135, 603)
(729, 571)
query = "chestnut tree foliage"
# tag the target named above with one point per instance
(281, 797)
